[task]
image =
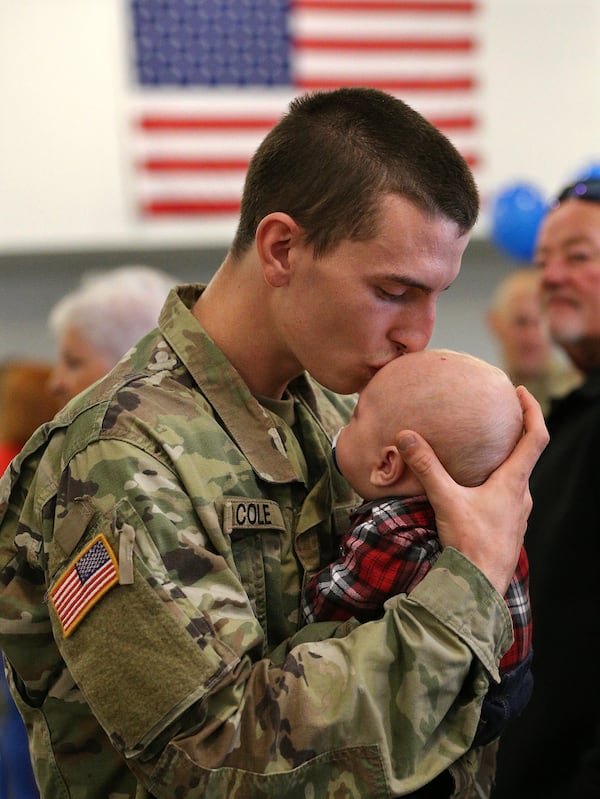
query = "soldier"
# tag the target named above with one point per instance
(155, 543)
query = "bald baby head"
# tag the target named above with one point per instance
(467, 409)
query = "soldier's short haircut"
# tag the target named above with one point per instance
(334, 154)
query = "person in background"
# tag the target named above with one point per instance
(25, 404)
(95, 324)
(469, 412)
(553, 749)
(194, 486)
(529, 357)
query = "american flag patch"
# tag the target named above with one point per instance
(87, 579)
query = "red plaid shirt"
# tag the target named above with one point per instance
(389, 548)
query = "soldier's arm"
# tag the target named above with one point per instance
(168, 656)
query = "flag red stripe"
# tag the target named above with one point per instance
(156, 165)
(391, 45)
(154, 123)
(460, 83)
(412, 6)
(190, 207)
(193, 164)
(466, 122)
(165, 122)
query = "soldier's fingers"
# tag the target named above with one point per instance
(423, 462)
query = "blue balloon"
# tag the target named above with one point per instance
(516, 214)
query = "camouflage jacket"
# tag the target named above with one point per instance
(154, 542)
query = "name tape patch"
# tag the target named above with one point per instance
(93, 572)
(245, 514)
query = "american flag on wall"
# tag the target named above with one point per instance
(210, 77)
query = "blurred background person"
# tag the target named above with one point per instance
(97, 323)
(553, 749)
(516, 321)
(25, 404)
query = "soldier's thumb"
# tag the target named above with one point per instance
(423, 462)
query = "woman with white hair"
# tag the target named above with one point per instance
(98, 322)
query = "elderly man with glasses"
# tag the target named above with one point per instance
(553, 750)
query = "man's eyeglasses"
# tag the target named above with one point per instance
(582, 190)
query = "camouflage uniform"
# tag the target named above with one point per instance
(190, 669)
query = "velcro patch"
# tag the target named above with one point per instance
(93, 572)
(251, 514)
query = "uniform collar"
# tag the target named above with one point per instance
(247, 422)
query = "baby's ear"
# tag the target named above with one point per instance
(389, 467)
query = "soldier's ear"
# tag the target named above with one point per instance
(275, 236)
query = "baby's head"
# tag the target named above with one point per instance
(467, 409)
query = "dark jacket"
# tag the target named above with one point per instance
(553, 749)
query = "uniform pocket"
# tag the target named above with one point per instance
(255, 528)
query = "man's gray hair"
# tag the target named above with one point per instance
(112, 310)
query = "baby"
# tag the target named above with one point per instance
(469, 412)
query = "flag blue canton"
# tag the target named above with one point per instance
(211, 43)
(92, 561)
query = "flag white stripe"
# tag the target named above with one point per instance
(383, 24)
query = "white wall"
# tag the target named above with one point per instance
(60, 179)
(62, 79)
(542, 89)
